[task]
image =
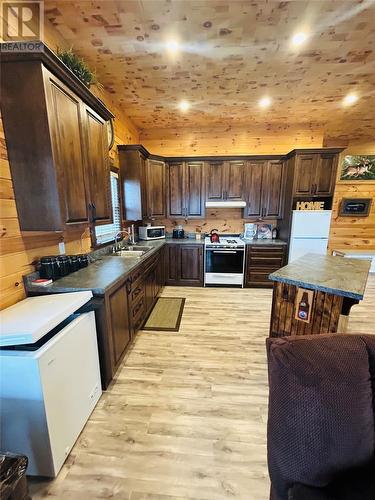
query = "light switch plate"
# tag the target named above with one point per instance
(62, 248)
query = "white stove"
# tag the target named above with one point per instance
(224, 261)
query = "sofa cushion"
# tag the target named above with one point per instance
(320, 409)
(357, 484)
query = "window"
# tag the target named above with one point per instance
(107, 232)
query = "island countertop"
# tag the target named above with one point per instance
(336, 275)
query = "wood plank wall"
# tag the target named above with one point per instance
(353, 233)
(230, 140)
(20, 251)
(225, 220)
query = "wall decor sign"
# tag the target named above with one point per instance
(355, 207)
(358, 168)
(310, 205)
(303, 305)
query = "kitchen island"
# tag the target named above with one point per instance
(315, 293)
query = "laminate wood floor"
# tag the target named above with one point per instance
(186, 416)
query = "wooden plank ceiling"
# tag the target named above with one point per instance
(233, 53)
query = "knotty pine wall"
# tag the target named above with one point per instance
(226, 220)
(355, 233)
(230, 140)
(19, 251)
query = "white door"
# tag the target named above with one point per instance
(302, 246)
(311, 224)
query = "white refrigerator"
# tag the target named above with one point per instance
(309, 233)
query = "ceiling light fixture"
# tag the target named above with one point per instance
(184, 106)
(350, 99)
(173, 46)
(299, 38)
(265, 102)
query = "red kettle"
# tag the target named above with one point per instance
(214, 236)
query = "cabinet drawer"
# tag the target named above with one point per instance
(259, 277)
(136, 275)
(266, 250)
(269, 261)
(150, 263)
(138, 308)
(137, 291)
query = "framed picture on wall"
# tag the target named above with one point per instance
(358, 168)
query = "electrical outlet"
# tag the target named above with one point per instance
(62, 248)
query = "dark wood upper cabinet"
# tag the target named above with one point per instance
(185, 190)
(155, 184)
(315, 174)
(272, 190)
(264, 189)
(65, 118)
(225, 180)
(215, 180)
(133, 179)
(234, 180)
(47, 134)
(254, 175)
(305, 174)
(98, 167)
(325, 174)
(176, 190)
(194, 189)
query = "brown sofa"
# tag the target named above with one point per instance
(321, 417)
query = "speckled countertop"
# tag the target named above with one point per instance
(336, 275)
(100, 275)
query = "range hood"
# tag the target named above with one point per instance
(225, 204)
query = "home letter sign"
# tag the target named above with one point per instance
(310, 205)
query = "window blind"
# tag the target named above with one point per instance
(107, 232)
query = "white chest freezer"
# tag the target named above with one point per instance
(49, 378)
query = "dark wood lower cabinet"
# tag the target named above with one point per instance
(262, 260)
(119, 321)
(184, 265)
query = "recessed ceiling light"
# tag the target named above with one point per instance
(265, 102)
(299, 38)
(350, 99)
(184, 106)
(173, 46)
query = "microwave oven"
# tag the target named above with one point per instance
(151, 232)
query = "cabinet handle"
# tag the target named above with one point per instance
(93, 212)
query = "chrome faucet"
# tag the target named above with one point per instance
(116, 247)
(131, 234)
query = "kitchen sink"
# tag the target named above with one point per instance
(133, 251)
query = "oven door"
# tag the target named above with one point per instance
(224, 266)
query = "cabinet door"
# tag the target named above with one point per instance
(66, 126)
(272, 192)
(191, 265)
(215, 180)
(304, 174)
(172, 258)
(156, 188)
(98, 167)
(143, 182)
(119, 320)
(234, 171)
(253, 188)
(194, 189)
(176, 191)
(325, 175)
